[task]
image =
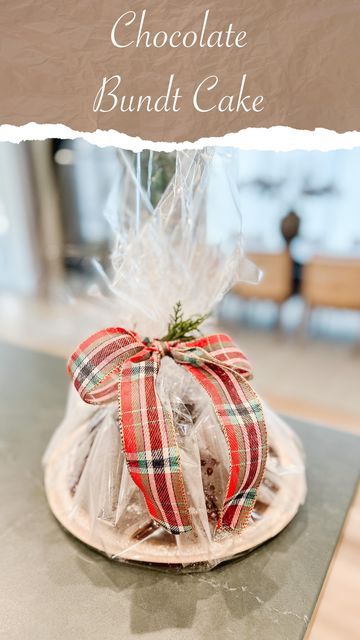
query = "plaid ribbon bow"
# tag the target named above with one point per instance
(116, 363)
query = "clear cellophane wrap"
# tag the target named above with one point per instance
(188, 249)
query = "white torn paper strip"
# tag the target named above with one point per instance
(277, 138)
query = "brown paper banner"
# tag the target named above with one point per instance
(223, 66)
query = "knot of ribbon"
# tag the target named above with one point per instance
(117, 364)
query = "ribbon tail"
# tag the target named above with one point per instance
(150, 446)
(241, 418)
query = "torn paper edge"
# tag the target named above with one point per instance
(277, 138)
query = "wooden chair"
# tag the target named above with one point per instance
(276, 283)
(330, 282)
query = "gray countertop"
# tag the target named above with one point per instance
(52, 586)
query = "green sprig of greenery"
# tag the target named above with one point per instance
(181, 329)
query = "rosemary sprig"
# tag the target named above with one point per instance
(181, 329)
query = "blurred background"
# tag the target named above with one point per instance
(300, 326)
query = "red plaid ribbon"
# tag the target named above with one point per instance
(115, 363)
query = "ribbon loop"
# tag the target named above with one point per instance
(115, 363)
(97, 360)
